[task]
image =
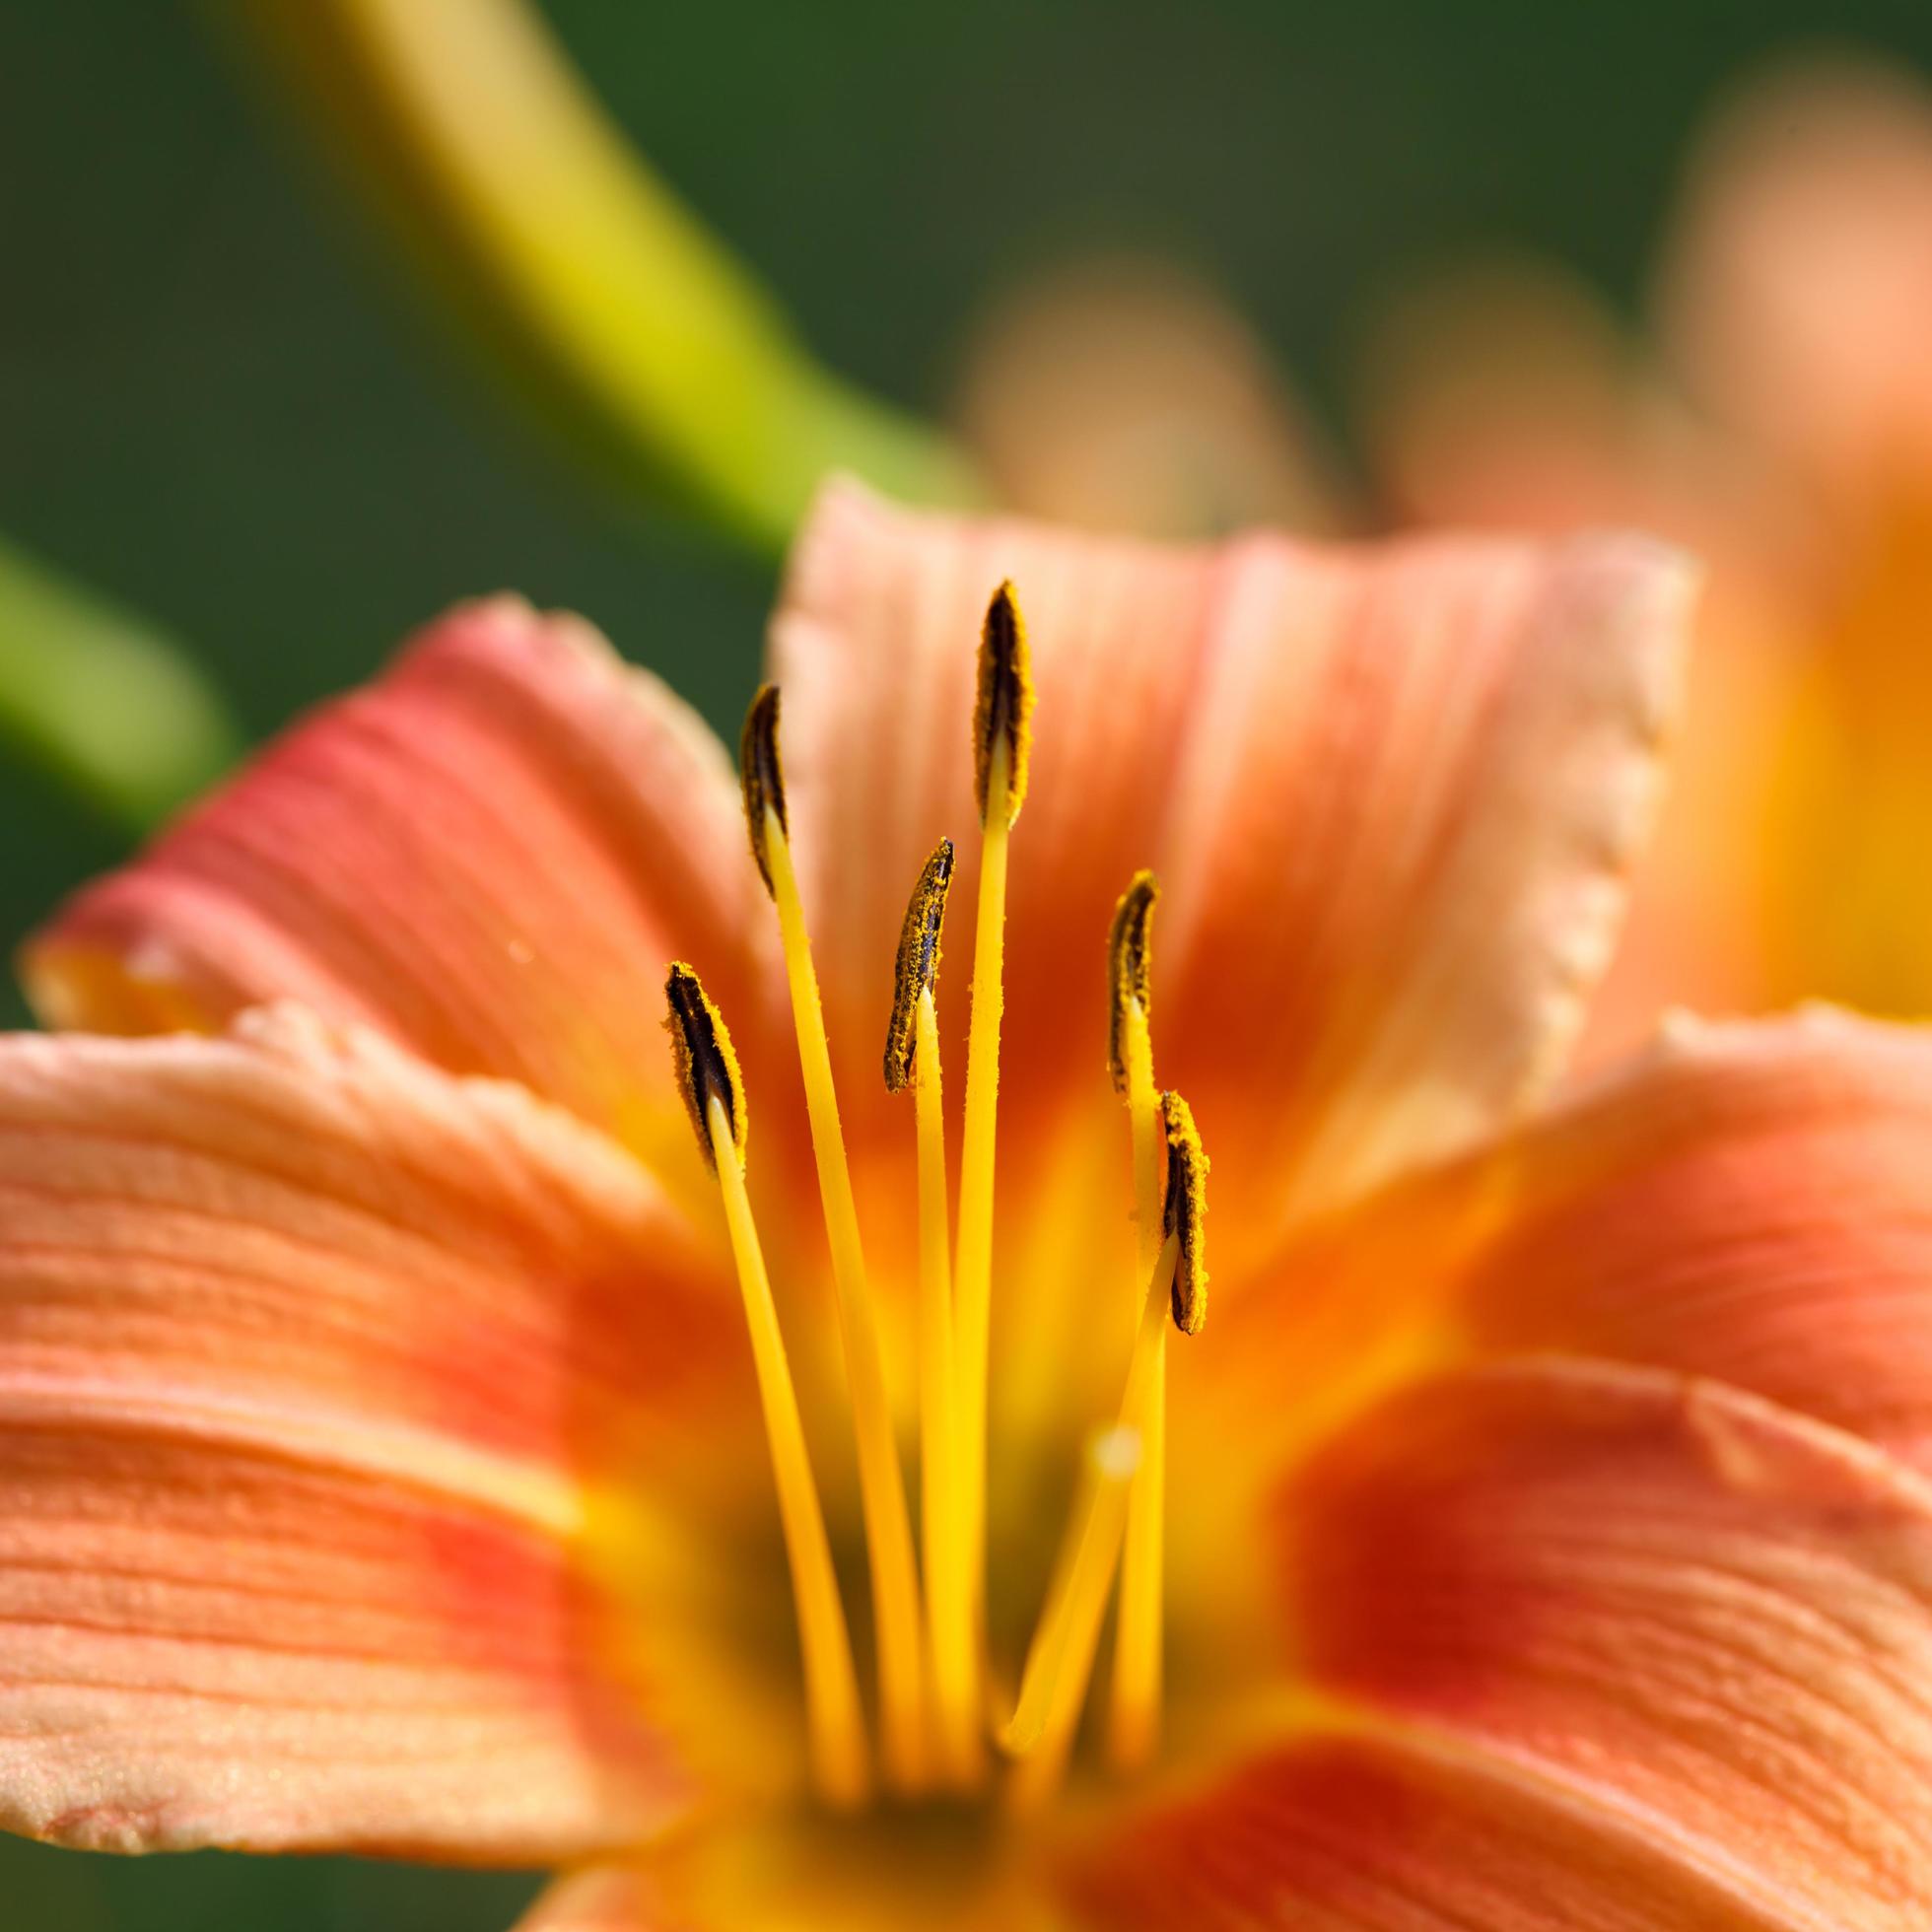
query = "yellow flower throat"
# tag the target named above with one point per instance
(935, 1719)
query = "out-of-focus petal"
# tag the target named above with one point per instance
(1587, 1646)
(1796, 291)
(1510, 398)
(1391, 792)
(1844, 830)
(1125, 394)
(1507, 398)
(313, 1360)
(488, 855)
(1796, 294)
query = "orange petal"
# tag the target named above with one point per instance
(1796, 288)
(1743, 1202)
(1590, 1646)
(1391, 792)
(1746, 1203)
(1416, 782)
(489, 855)
(308, 1355)
(1345, 1834)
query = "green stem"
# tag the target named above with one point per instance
(470, 136)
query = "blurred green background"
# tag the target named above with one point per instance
(221, 405)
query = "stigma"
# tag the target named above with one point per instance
(936, 1724)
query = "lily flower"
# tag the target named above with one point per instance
(442, 1417)
(1778, 420)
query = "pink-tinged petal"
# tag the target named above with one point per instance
(488, 854)
(874, 645)
(312, 1361)
(1416, 782)
(1746, 1203)
(1391, 792)
(1586, 1646)
(1798, 284)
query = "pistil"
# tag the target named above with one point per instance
(709, 1078)
(883, 1497)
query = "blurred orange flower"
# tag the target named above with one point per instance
(380, 1457)
(1782, 425)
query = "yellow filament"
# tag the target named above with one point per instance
(973, 1269)
(888, 1527)
(836, 1722)
(1135, 1717)
(1059, 1660)
(949, 1607)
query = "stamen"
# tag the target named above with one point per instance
(911, 1055)
(1059, 1660)
(1135, 1716)
(883, 1497)
(1002, 737)
(708, 1078)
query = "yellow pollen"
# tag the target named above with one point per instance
(883, 1497)
(835, 1720)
